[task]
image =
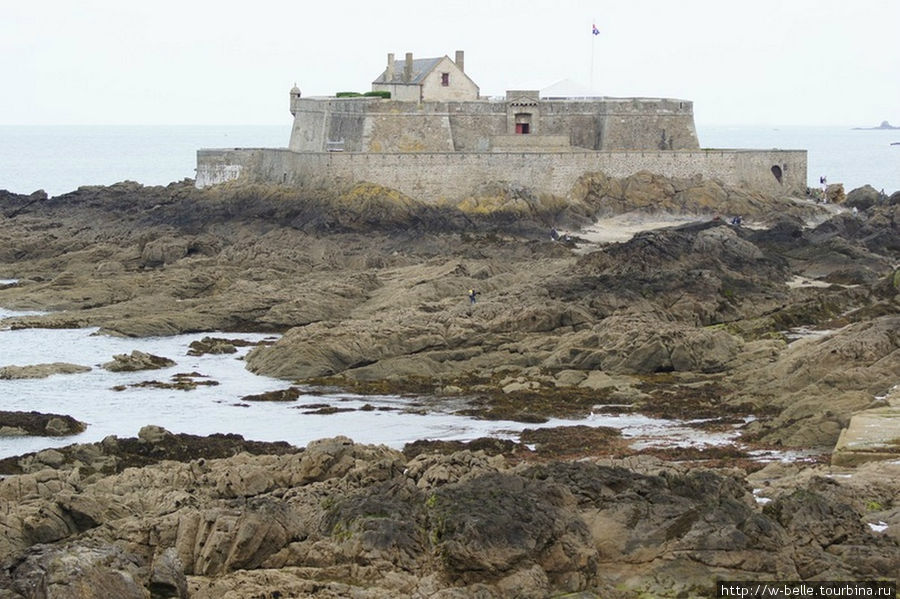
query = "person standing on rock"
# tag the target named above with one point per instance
(472, 294)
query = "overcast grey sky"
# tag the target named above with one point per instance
(789, 62)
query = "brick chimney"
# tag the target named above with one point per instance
(459, 60)
(407, 70)
(389, 76)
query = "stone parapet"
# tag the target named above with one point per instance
(437, 176)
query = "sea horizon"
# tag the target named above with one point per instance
(61, 158)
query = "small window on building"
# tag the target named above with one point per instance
(445, 79)
(776, 171)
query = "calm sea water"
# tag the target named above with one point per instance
(59, 159)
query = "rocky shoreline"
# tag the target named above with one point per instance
(369, 290)
(338, 519)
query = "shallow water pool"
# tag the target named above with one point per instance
(390, 420)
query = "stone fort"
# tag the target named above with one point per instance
(425, 130)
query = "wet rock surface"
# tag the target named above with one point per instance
(153, 444)
(36, 423)
(217, 345)
(289, 394)
(183, 381)
(137, 360)
(40, 371)
(781, 332)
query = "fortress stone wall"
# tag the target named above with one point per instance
(378, 125)
(438, 176)
(442, 141)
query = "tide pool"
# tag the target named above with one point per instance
(92, 398)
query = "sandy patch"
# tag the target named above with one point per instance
(799, 281)
(625, 226)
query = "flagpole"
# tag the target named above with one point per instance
(593, 41)
(592, 63)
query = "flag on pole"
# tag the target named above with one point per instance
(594, 30)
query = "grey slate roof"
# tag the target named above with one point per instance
(420, 68)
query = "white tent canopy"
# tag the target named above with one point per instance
(567, 88)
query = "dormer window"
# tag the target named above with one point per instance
(445, 79)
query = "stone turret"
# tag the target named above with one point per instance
(295, 96)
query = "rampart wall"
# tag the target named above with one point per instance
(377, 125)
(437, 176)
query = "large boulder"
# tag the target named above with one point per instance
(83, 570)
(159, 252)
(137, 360)
(724, 242)
(497, 524)
(36, 423)
(863, 198)
(629, 344)
(834, 193)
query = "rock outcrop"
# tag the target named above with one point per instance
(38, 424)
(40, 371)
(863, 198)
(369, 287)
(781, 330)
(345, 519)
(647, 192)
(137, 360)
(154, 444)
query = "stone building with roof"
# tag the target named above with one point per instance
(427, 79)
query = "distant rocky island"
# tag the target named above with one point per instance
(883, 125)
